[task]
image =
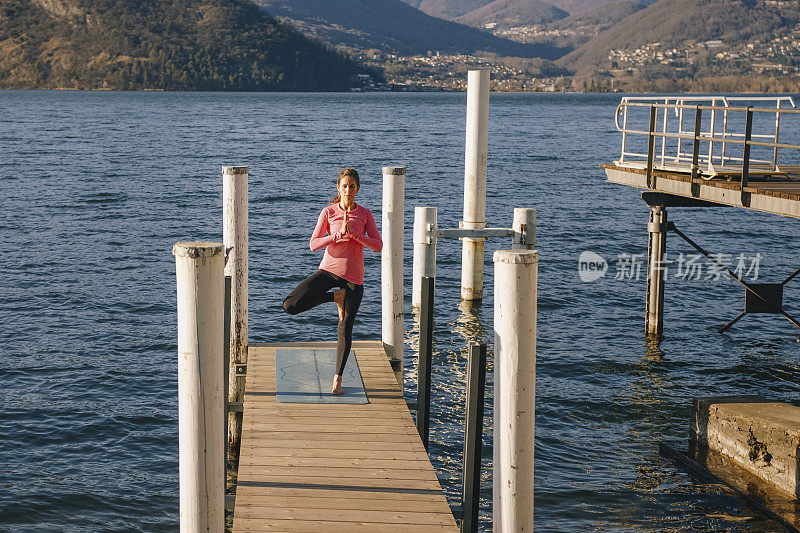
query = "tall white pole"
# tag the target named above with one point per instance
(475, 183)
(515, 277)
(198, 267)
(524, 228)
(235, 237)
(392, 220)
(425, 227)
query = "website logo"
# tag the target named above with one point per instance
(591, 266)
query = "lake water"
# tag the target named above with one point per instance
(98, 186)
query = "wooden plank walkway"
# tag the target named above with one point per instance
(334, 467)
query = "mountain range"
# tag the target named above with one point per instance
(344, 44)
(393, 26)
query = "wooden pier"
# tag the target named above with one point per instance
(334, 467)
(706, 162)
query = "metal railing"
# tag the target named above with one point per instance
(715, 137)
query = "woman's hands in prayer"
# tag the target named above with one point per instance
(345, 232)
(346, 223)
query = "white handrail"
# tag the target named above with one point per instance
(710, 134)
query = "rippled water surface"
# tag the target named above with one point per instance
(98, 186)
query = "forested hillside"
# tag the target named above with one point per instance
(156, 44)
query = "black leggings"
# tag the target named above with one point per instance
(313, 291)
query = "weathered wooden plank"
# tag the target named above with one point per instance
(330, 453)
(382, 516)
(259, 410)
(342, 437)
(312, 526)
(398, 486)
(349, 463)
(342, 504)
(388, 419)
(341, 445)
(371, 426)
(276, 495)
(336, 472)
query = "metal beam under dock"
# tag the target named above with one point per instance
(334, 467)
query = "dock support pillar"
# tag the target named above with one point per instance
(656, 250)
(524, 228)
(392, 220)
(475, 154)
(515, 279)
(425, 360)
(235, 239)
(473, 437)
(425, 227)
(199, 267)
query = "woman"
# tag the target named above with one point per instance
(343, 229)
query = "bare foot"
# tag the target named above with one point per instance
(337, 389)
(338, 299)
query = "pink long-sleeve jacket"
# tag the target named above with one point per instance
(344, 255)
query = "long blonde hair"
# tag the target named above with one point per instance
(347, 172)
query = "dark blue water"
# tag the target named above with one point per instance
(97, 187)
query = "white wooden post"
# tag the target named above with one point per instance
(425, 227)
(475, 183)
(515, 277)
(235, 238)
(198, 267)
(392, 220)
(524, 228)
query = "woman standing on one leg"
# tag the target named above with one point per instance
(343, 229)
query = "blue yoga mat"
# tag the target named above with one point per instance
(306, 375)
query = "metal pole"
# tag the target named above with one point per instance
(475, 183)
(515, 278)
(425, 359)
(748, 134)
(651, 141)
(712, 133)
(198, 267)
(680, 130)
(624, 131)
(698, 124)
(226, 367)
(656, 248)
(235, 238)
(392, 220)
(524, 228)
(724, 134)
(425, 227)
(473, 433)
(777, 136)
(664, 138)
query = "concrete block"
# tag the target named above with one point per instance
(761, 436)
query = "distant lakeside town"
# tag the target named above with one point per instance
(628, 69)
